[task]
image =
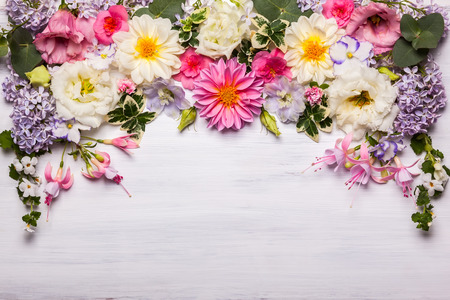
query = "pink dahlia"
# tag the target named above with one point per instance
(191, 65)
(270, 65)
(375, 23)
(109, 22)
(227, 96)
(340, 10)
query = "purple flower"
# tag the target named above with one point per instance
(388, 147)
(349, 53)
(37, 13)
(165, 95)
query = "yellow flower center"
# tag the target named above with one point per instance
(69, 126)
(146, 47)
(227, 95)
(313, 49)
(86, 87)
(375, 20)
(361, 100)
(349, 55)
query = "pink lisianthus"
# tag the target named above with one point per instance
(65, 39)
(126, 85)
(227, 96)
(270, 65)
(377, 24)
(191, 65)
(314, 95)
(109, 22)
(340, 10)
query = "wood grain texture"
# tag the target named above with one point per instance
(224, 216)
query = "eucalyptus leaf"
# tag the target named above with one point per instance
(426, 40)
(280, 9)
(433, 23)
(143, 11)
(24, 56)
(166, 9)
(409, 27)
(3, 46)
(405, 55)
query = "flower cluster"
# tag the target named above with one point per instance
(79, 64)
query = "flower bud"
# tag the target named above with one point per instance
(187, 118)
(348, 165)
(39, 76)
(392, 76)
(269, 122)
(99, 157)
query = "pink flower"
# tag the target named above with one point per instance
(65, 39)
(109, 22)
(314, 95)
(126, 85)
(55, 184)
(227, 96)
(270, 65)
(402, 176)
(191, 65)
(123, 142)
(375, 23)
(340, 10)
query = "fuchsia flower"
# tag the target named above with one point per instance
(65, 39)
(270, 65)
(340, 10)
(402, 176)
(313, 95)
(55, 184)
(375, 23)
(227, 96)
(191, 65)
(109, 22)
(126, 85)
(123, 142)
(102, 161)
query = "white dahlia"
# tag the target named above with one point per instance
(148, 50)
(363, 99)
(308, 41)
(84, 93)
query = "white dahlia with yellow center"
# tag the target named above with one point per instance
(308, 41)
(148, 50)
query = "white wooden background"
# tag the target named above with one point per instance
(224, 216)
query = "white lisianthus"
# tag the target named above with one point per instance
(148, 50)
(83, 93)
(223, 31)
(363, 99)
(308, 41)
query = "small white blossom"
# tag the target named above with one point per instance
(28, 188)
(431, 185)
(28, 164)
(17, 165)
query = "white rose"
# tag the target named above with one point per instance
(363, 99)
(223, 31)
(83, 93)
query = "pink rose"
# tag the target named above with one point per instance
(65, 39)
(191, 65)
(110, 22)
(340, 10)
(377, 24)
(270, 65)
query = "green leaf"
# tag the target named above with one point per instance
(447, 170)
(278, 39)
(259, 21)
(259, 40)
(423, 198)
(326, 125)
(146, 117)
(35, 215)
(409, 27)
(427, 167)
(187, 27)
(433, 23)
(426, 40)
(143, 11)
(200, 15)
(6, 140)
(116, 116)
(193, 42)
(3, 46)
(130, 125)
(319, 113)
(405, 55)
(13, 173)
(280, 9)
(130, 107)
(184, 36)
(308, 126)
(418, 143)
(279, 25)
(24, 56)
(437, 153)
(324, 86)
(373, 142)
(166, 9)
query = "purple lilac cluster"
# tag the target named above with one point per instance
(89, 9)
(314, 5)
(36, 13)
(434, 8)
(33, 114)
(421, 96)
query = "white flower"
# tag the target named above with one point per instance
(28, 188)
(83, 93)
(308, 41)
(188, 6)
(148, 50)
(223, 31)
(363, 99)
(439, 172)
(69, 130)
(431, 185)
(28, 164)
(17, 165)
(101, 58)
(349, 53)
